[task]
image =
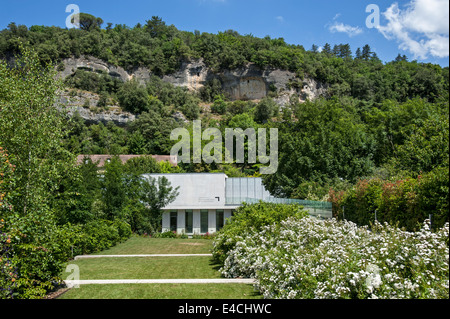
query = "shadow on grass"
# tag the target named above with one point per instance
(215, 264)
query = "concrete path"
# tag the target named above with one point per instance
(74, 283)
(141, 256)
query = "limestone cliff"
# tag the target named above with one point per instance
(245, 83)
(85, 104)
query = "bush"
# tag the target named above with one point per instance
(251, 218)
(170, 234)
(405, 203)
(100, 235)
(310, 258)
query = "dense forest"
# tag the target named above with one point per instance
(378, 141)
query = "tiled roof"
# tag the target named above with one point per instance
(101, 159)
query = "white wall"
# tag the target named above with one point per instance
(197, 191)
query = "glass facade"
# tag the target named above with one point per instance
(189, 222)
(204, 221)
(219, 219)
(173, 221)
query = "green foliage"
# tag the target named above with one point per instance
(88, 22)
(114, 192)
(219, 106)
(328, 142)
(251, 218)
(155, 131)
(162, 48)
(100, 235)
(142, 165)
(404, 202)
(99, 138)
(155, 195)
(133, 98)
(265, 110)
(210, 90)
(93, 82)
(31, 128)
(36, 235)
(426, 148)
(74, 201)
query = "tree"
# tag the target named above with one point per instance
(327, 49)
(133, 97)
(89, 22)
(400, 58)
(329, 142)
(358, 54)
(219, 106)
(366, 52)
(345, 51)
(156, 27)
(114, 191)
(155, 130)
(142, 165)
(425, 149)
(156, 194)
(32, 129)
(265, 110)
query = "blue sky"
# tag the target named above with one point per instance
(416, 28)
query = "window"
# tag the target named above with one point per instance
(189, 222)
(204, 221)
(173, 221)
(219, 219)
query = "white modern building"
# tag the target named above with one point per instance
(206, 201)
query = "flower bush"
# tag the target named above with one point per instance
(328, 259)
(251, 218)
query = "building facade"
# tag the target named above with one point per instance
(206, 201)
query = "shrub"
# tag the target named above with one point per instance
(101, 234)
(251, 218)
(167, 234)
(405, 203)
(310, 258)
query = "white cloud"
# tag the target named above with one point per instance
(280, 18)
(421, 28)
(345, 28)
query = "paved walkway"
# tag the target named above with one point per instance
(140, 256)
(74, 283)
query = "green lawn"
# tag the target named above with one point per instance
(144, 246)
(163, 291)
(147, 268)
(198, 267)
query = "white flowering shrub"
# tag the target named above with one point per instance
(311, 258)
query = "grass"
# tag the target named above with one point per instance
(147, 268)
(163, 291)
(198, 267)
(145, 246)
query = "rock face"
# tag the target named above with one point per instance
(246, 83)
(249, 82)
(85, 104)
(94, 65)
(192, 75)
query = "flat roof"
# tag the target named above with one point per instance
(184, 174)
(202, 207)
